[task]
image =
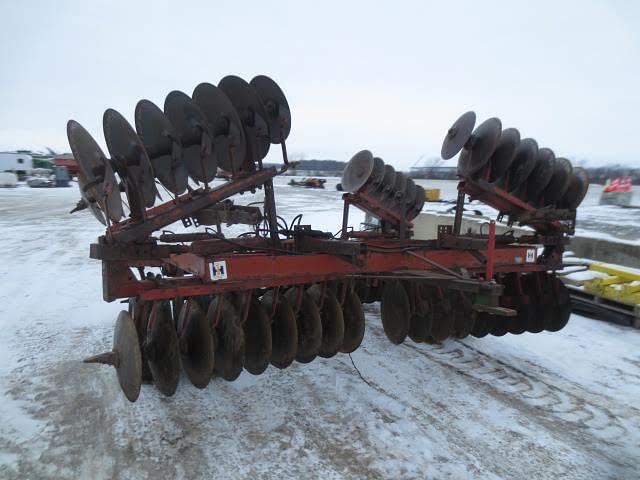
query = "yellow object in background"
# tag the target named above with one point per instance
(620, 284)
(432, 194)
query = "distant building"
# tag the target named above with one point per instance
(16, 162)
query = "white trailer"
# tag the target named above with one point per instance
(21, 163)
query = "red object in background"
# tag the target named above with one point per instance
(618, 184)
(69, 162)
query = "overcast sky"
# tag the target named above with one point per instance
(389, 77)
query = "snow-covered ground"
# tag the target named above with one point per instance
(548, 406)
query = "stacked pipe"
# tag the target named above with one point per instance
(373, 179)
(533, 174)
(229, 127)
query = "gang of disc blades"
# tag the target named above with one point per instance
(309, 325)
(478, 150)
(541, 175)
(524, 161)
(284, 330)
(228, 337)
(395, 311)
(130, 158)
(502, 157)
(252, 114)
(257, 337)
(276, 105)
(458, 135)
(559, 182)
(192, 127)
(354, 322)
(196, 344)
(225, 126)
(357, 172)
(129, 359)
(163, 147)
(101, 185)
(332, 320)
(162, 349)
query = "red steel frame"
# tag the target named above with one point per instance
(251, 265)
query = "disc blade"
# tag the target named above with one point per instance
(258, 339)
(458, 135)
(354, 322)
(100, 185)
(483, 142)
(388, 179)
(309, 325)
(416, 208)
(131, 160)
(464, 316)
(421, 315)
(276, 106)
(524, 161)
(332, 320)
(357, 172)
(395, 312)
(482, 325)
(443, 319)
(226, 127)
(193, 131)
(284, 330)
(127, 348)
(560, 305)
(228, 337)
(504, 154)
(541, 175)
(559, 182)
(162, 350)
(160, 140)
(196, 344)
(252, 115)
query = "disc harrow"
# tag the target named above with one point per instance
(213, 305)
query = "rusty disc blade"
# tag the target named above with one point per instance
(228, 337)
(464, 316)
(332, 320)
(309, 325)
(97, 183)
(482, 325)
(541, 175)
(354, 323)
(226, 128)
(577, 189)
(196, 344)
(127, 349)
(357, 172)
(420, 321)
(458, 135)
(92, 204)
(140, 312)
(524, 161)
(504, 154)
(258, 340)
(559, 182)
(194, 134)
(388, 179)
(160, 140)
(377, 174)
(252, 114)
(162, 349)
(418, 203)
(483, 142)
(130, 159)
(560, 304)
(395, 311)
(443, 319)
(276, 106)
(284, 330)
